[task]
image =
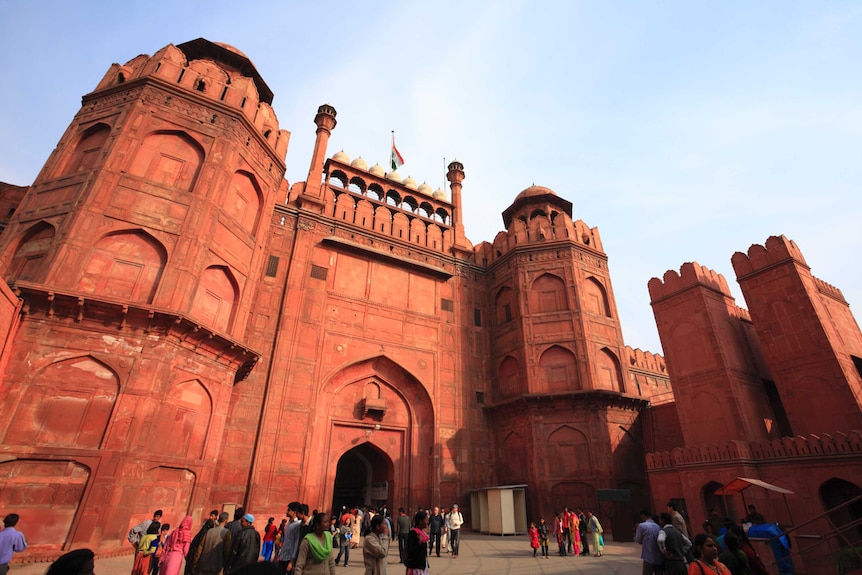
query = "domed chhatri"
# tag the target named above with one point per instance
(409, 183)
(424, 188)
(377, 170)
(341, 157)
(394, 176)
(359, 164)
(439, 195)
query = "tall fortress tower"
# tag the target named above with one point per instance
(185, 330)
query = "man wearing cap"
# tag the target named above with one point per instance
(245, 549)
(215, 548)
(456, 520)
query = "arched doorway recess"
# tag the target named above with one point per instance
(362, 477)
(375, 413)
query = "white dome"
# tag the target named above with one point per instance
(409, 183)
(439, 195)
(394, 176)
(425, 189)
(341, 157)
(377, 170)
(359, 164)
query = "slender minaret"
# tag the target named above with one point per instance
(455, 175)
(325, 120)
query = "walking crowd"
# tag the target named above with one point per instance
(304, 543)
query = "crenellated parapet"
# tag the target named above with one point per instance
(776, 250)
(829, 290)
(213, 71)
(536, 216)
(690, 274)
(645, 360)
(837, 445)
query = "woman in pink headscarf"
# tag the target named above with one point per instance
(176, 548)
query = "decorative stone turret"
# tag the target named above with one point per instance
(455, 175)
(325, 121)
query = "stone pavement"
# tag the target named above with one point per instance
(479, 554)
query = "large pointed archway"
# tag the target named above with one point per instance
(362, 477)
(373, 413)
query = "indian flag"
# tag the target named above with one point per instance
(396, 161)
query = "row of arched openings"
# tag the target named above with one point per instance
(357, 185)
(128, 266)
(558, 373)
(548, 294)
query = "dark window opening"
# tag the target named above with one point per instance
(272, 267)
(121, 78)
(223, 93)
(447, 305)
(856, 360)
(242, 104)
(182, 73)
(477, 317)
(267, 133)
(318, 272)
(201, 86)
(480, 397)
(507, 312)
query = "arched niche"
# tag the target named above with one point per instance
(26, 263)
(835, 494)
(124, 265)
(344, 208)
(244, 200)
(184, 417)
(74, 414)
(216, 297)
(505, 305)
(608, 371)
(568, 450)
(86, 151)
(548, 294)
(559, 370)
(171, 159)
(364, 214)
(509, 376)
(596, 298)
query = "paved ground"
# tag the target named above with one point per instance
(479, 554)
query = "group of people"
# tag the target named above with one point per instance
(576, 533)
(667, 548)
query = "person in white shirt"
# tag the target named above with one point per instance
(456, 520)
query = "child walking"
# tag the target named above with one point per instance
(534, 538)
(543, 536)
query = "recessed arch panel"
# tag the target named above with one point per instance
(124, 265)
(215, 298)
(171, 159)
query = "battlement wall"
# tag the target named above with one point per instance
(645, 360)
(839, 444)
(776, 250)
(539, 229)
(208, 79)
(829, 290)
(690, 274)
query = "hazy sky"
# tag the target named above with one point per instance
(683, 130)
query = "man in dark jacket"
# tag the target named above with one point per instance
(435, 528)
(246, 545)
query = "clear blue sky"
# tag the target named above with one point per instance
(683, 130)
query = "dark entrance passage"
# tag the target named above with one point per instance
(363, 477)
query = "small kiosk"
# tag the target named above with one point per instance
(499, 510)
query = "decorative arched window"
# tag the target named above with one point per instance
(26, 264)
(86, 151)
(169, 159)
(184, 416)
(216, 296)
(124, 265)
(243, 201)
(609, 370)
(596, 298)
(569, 451)
(559, 370)
(548, 294)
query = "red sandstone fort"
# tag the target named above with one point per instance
(184, 329)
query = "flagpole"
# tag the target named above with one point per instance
(391, 147)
